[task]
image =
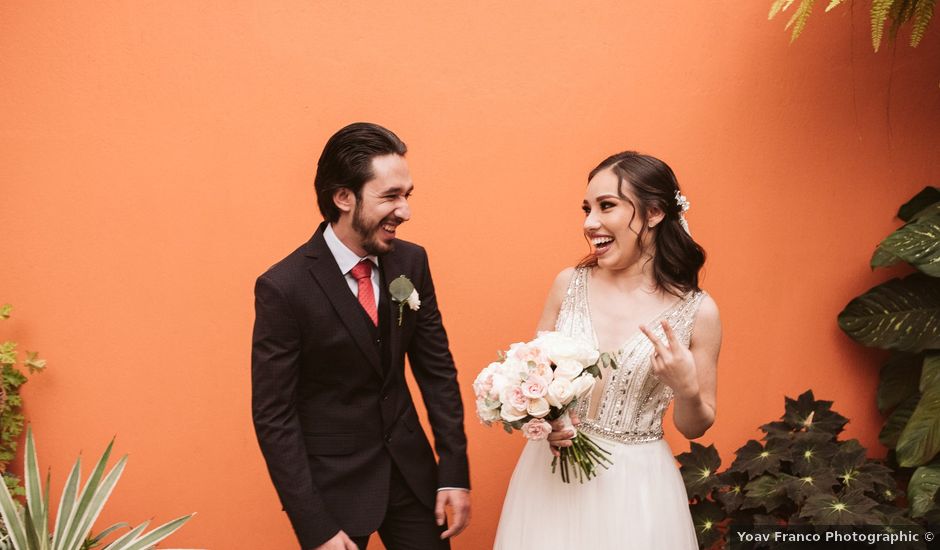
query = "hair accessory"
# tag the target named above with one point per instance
(684, 205)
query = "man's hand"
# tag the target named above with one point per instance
(459, 502)
(340, 541)
(563, 431)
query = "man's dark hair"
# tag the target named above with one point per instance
(346, 161)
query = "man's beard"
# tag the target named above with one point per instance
(370, 243)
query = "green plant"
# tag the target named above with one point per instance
(801, 474)
(28, 526)
(899, 12)
(903, 315)
(11, 404)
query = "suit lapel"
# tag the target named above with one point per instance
(326, 272)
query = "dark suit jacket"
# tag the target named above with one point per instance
(329, 418)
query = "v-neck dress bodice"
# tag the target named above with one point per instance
(640, 502)
(633, 400)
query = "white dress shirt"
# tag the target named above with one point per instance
(346, 259)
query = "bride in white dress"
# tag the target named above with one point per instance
(636, 296)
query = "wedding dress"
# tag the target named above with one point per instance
(640, 502)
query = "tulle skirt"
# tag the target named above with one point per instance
(640, 503)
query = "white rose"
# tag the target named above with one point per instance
(510, 414)
(538, 407)
(582, 385)
(414, 302)
(568, 368)
(558, 347)
(514, 371)
(560, 392)
(487, 414)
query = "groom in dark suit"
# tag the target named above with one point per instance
(333, 414)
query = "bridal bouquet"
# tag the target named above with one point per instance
(538, 381)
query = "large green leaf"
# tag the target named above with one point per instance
(920, 440)
(917, 243)
(902, 314)
(928, 196)
(900, 416)
(756, 459)
(899, 379)
(766, 490)
(930, 373)
(806, 413)
(922, 488)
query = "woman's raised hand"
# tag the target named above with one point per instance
(673, 363)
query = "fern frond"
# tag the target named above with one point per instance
(833, 4)
(779, 6)
(798, 21)
(923, 11)
(879, 13)
(901, 11)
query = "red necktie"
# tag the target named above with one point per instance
(362, 272)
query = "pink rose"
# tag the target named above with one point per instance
(534, 387)
(536, 429)
(515, 398)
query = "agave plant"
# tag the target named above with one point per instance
(800, 475)
(903, 315)
(28, 526)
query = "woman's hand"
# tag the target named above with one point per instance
(563, 431)
(673, 363)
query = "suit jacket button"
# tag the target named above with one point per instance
(388, 438)
(385, 397)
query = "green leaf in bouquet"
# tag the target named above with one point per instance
(900, 416)
(811, 450)
(922, 488)
(606, 360)
(507, 428)
(917, 243)
(731, 489)
(767, 491)
(852, 508)
(756, 459)
(928, 196)
(5, 311)
(699, 469)
(821, 480)
(707, 516)
(919, 442)
(900, 314)
(899, 379)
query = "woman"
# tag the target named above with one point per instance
(636, 296)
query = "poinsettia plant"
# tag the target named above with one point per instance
(799, 473)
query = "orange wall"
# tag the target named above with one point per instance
(155, 157)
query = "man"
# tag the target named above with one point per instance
(333, 414)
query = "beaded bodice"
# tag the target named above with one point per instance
(632, 400)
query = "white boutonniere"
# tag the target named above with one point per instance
(403, 292)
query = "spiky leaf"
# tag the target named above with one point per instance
(805, 413)
(802, 487)
(798, 21)
(853, 508)
(706, 516)
(879, 14)
(779, 6)
(923, 12)
(731, 494)
(833, 4)
(756, 459)
(901, 314)
(767, 491)
(811, 451)
(699, 468)
(923, 488)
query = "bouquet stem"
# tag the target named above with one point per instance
(583, 457)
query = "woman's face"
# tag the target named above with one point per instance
(611, 224)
